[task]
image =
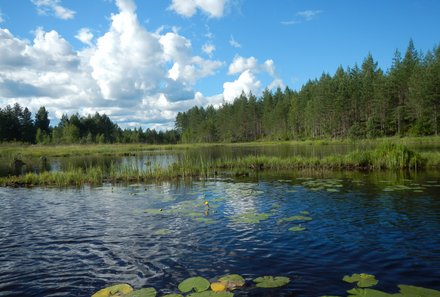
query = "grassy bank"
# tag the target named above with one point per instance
(10, 150)
(385, 157)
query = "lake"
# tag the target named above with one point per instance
(75, 241)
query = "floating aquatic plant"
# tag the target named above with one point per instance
(198, 284)
(115, 290)
(211, 294)
(418, 291)
(297, 228)
(232, 281)
(295, 218)
(145, 292)
(218, 287)
(363, 280)
(154, 211)
(173, 295)
(205, 220)
(271, 282)
(162, 232)
(357, 292)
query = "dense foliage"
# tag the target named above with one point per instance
(16, 124)
(357, 102)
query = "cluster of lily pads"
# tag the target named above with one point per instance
(329, 185)
(302, 217)
(365, 281)
(197, 287)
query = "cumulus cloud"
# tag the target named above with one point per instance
(248, 81)
(85, 36)
(53, 7)
(188, 8)
(135, 76)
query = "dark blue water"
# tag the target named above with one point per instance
(73, 242)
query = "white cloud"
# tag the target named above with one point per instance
(85, 36)
(234, 43)
(133, 75)
(188, 8)
(248, 81)
(53, 7)
(303, 16)
(309, 15)
(240, 64)
(208, 48)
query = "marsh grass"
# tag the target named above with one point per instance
(386, 156)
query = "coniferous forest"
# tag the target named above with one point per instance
(18, 125)
(356, 102)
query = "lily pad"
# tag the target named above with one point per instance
(295, 218)
(205, 220)
(363, 280)
(116, 290)
(356, 292)
(271, 282)
(173, 295)
(198, 284)
(418, 291)
(162, 232)
(232, 281)
(297, 228)
(251, 218)
(304, 212)
(211, 294)
(146, 292)
(154, 211)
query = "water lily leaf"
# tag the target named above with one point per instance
(211, 294)
(363, 280)
(218, 287)
(356, 292)
(418, 291)
(154, 211)
(199, 284)
(162, 232)
(173, 295)
(304, 212)
(271, 282)
(116, 290)
(295, 218)
(297, 228)
(145, 292)
(205, 220)
(232, 281)
(251, 218)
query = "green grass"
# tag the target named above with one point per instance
(387, 155)
(26, 150)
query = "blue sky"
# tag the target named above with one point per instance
(141, 62)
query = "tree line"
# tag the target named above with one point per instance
(356, 102)
(17, 124)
